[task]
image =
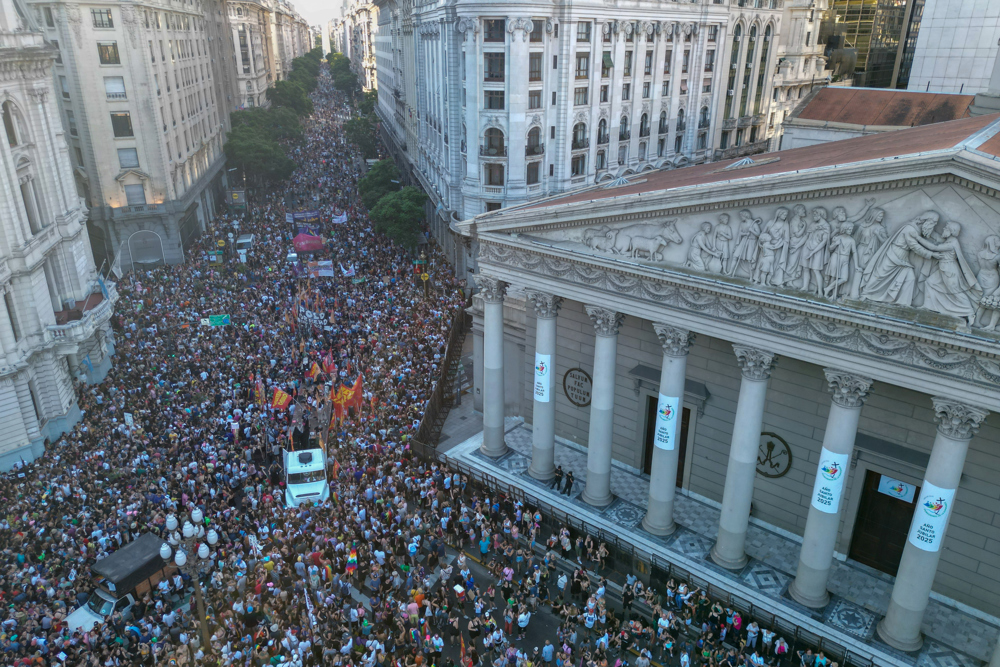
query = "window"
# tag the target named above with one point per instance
(135, 195)
(710, 60)
(713, 33)
(536, 30)
(580, 96)
(8, 123)
(644, 125)
(494, 99)
(555, 30)
(623, 129)
(552, 132)
(493, 142)
(578, 167)
(114, 88)
(809, 37)
(626, 91)
(582, 65)
(607, 36)
(534, 145)
(662, 128)
(601, 161)
(681, 123)
(666, 88)
(702, 141)
(493, 174)
(724, 141)
(553, 98)
(493, 66)
(623, 154)
(583, 31)
(49, 21)
(678, 143)
(686, 62)
(645, 90)
(684, 86)
(30, 206)
(102, 18)
(552, 169)
(604, 93)
(121, 123)
(79, 156)
(534, 99)
(628, 63)
(493, 30)
(128, 158)
(706, 84)
(71, 122)
(8, 300)
(534, 67)
(607, 64)
(493, 206)
(55, 43)
(108, 53)
(580, 136)
(531, 174)
(602, 132)
(660, 147)
(667, 57)
(64, 86)
(648, 66)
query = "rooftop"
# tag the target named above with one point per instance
(911, 141)
(881, 107)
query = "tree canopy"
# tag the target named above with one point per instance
(380, 180)
(399, 215)
(361, 132)
(366, 105)
(260, 158)
(291, 95)
(277, 123)
(340, 69)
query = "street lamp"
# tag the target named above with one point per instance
(190, 541)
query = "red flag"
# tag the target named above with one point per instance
(313, 371)
(357, 393)
(281, 400)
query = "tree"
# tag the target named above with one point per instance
(277, 123)
(292, 95)
(345, 81)
(380, 180)
(259, 157)
(361, 133)
(366, 105)
(399, 214)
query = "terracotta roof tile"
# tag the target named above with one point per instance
(899, 108)
(940, 136)
(991, 146)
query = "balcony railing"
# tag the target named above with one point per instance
(137, 209)
(681, 126)
(624, 134)
(643, 131)
(603, 139)
(744, 121)
(580, 144)
(662, 128)
(493, 151)
(493, 189)
(82, 329)
(536, 149)
(703, 123)
(118, 96)
(742, 151)
(729, 124)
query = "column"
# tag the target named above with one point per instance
(543, 432)
(736, 498)
(823, 521)
(492, 291)
(602, 406)
(659, 519)
(957, 423)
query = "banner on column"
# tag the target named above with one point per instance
(829, 485)
(543, 378)
(930, 518)
(666, 422)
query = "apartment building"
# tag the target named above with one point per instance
(53, 311)
(140, 90)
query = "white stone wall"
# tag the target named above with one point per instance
(956, 46)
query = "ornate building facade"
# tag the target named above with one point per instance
(54, 313)
(803, 340)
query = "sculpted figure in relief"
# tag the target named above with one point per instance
(779, 231)
(702, 250)
(951, 288)
(814, 251)
(746, 244)
(723, 235)
(871, 235)
(767, 259)
(989, 280)
(843, 257)
(890, 276)
(798, 229)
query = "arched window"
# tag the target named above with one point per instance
(762, 70)
(734, 58)
(748, 71)
(703, 118)
(8, 123)
(494, 142)
(602, 132)
(579, 136)
(663, 122)
(642, 151)
(681, 124)
(644, 126)
(623, 131)
(534, 145)
(602, 161)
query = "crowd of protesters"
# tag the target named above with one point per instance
(184, 420)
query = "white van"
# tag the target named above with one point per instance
(243, 244)
(305, 477)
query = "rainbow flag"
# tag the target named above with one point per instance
(352, 561)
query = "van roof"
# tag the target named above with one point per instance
(245, 237)
(131, 564)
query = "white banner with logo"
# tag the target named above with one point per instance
(829, 485)
(666, 422)
(543, 377)
(930, 518)
(896, 489)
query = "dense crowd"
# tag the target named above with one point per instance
(184, 421)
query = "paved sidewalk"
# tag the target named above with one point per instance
(860, 595)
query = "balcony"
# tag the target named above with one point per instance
(744, 121)
(79, 324)
(703, 124)
(603, 139)
(536, 149)
(743, 151)
(493, 189)
(493, 151)
(681, 126)
(120, 96)
(138, 209)
(729, 124)
(624, 135)
(643, 131)
(580, 144)
(757, 120)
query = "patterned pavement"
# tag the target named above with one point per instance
(859, 595)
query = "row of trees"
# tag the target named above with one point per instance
(255, 144)
(394, 211)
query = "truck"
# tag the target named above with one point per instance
(243, 245)
(305, 476)
(120, 580)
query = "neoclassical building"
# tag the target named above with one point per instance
(53, 313)
(807, 338)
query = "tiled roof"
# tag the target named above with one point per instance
(896, 108)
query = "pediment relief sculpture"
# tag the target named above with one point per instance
(915, 251)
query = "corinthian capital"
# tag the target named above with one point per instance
(492, 289)
(606, 322)
(675, 341)
(955, 420)
(849, 390)
(546, 305)
(754, 364)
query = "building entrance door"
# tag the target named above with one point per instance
(883, 522)
(647, 457)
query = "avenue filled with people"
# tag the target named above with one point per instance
(405, 564)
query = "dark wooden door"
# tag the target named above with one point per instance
(647, 461)
(881, 527)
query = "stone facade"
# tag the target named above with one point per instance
(54, 314)
(956, 46)
(865, 349)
